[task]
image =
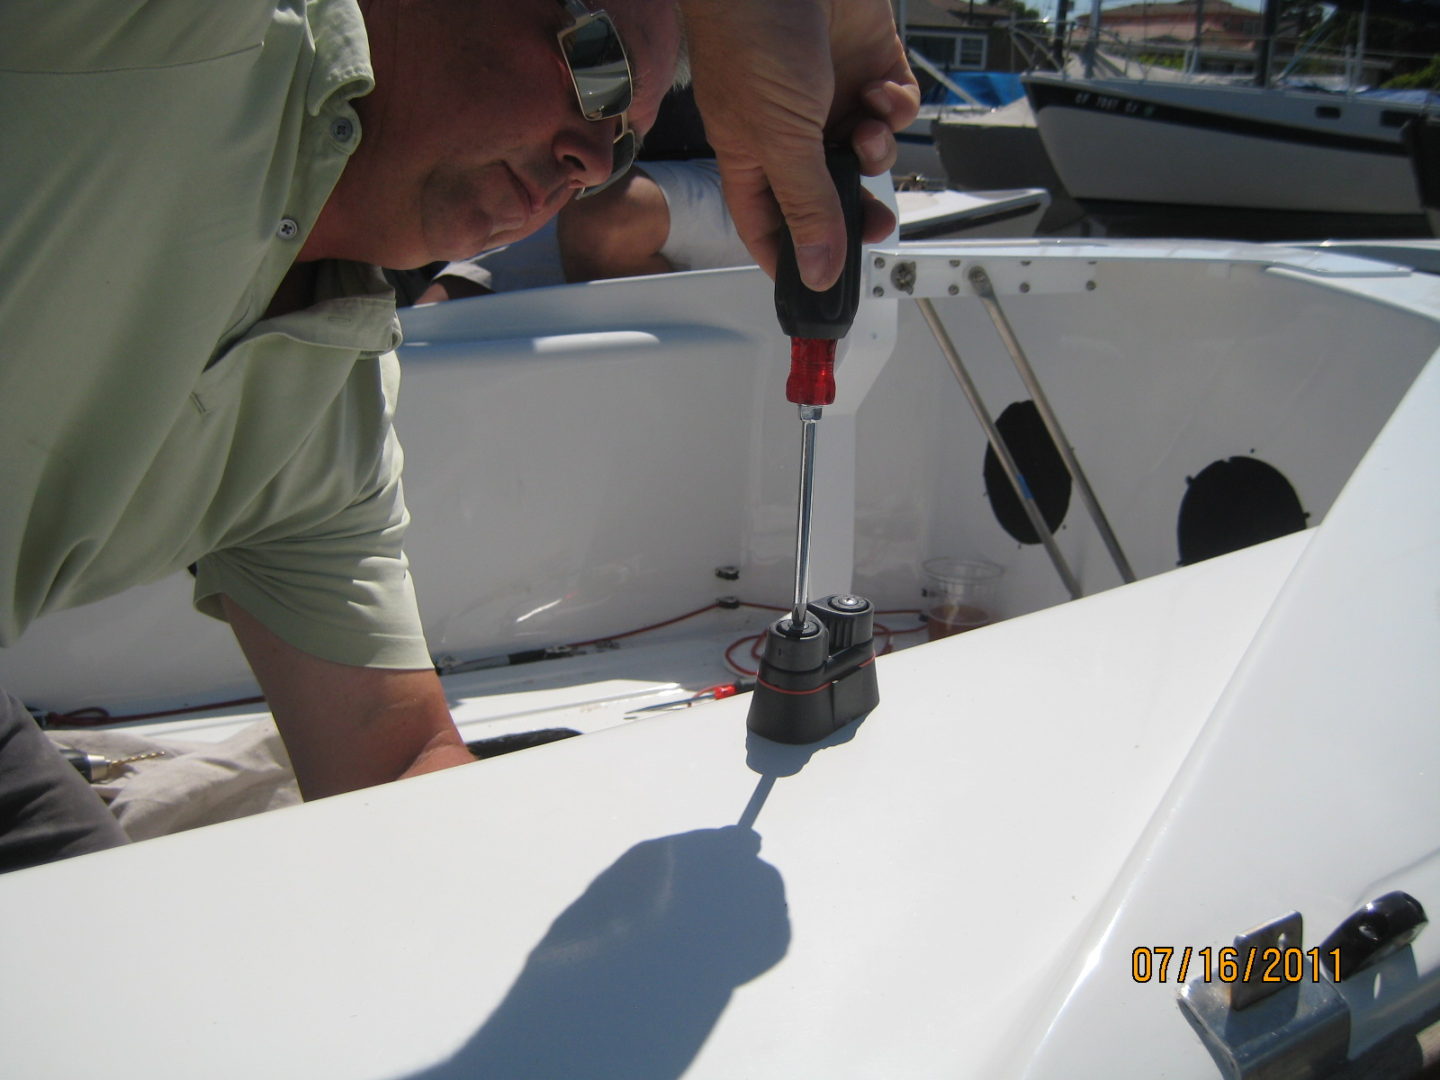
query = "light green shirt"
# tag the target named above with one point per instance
(163, 163)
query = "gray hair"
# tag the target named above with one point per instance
(682, 55)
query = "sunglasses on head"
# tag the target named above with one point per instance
(604, 88)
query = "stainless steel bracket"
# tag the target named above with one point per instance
(1053, 266)
(921, 274)
(1257, 1029)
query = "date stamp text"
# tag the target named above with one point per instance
(1167, 963)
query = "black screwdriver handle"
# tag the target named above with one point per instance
(804, 313)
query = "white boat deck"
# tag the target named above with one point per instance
(470, 923)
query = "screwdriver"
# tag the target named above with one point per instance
(815, 322)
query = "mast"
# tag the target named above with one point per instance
(1092, 40)
(1265, 53)
(1199, 36)
(1358, 78)
(1062, 12)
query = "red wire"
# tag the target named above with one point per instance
(95, 716)
(645, 629)
(734, 664)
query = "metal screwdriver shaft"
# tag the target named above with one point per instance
(809, 414)
(815, 322)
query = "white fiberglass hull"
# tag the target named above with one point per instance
(1202, 145)
(970, 215)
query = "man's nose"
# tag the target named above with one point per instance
(586, 151)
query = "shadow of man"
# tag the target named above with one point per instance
(631, 978)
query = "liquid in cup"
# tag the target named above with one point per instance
(959, 594)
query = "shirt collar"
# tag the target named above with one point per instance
(342, 54)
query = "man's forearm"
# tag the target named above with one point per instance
(349, 727)
(444, 751)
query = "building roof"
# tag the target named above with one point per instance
(952, 14)
(1177, 7)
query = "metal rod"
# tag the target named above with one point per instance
(809, 414)
(981, 281)
(1002, 451)
(944, 80)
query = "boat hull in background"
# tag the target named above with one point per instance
(1179, 144)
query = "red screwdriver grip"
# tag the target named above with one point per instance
(812, 371)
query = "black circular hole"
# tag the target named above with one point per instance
(1041, 466)
(1233, 504)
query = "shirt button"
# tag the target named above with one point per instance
(341, 129)
(288, 230)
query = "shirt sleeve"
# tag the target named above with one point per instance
(340, 590)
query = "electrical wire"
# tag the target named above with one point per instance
(96, 716)
(734, 665)
(644, 629)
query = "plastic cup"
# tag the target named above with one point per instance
(959, 594)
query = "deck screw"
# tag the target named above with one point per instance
(879, 263)
(1024, 286)
(879, 290)
(1090, 286)
(903, 277)
(954, 290)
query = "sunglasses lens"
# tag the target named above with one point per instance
(599, 68)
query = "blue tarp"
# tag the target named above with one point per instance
(992, 88)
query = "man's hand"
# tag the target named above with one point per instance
(775, 80)
(349, 727)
